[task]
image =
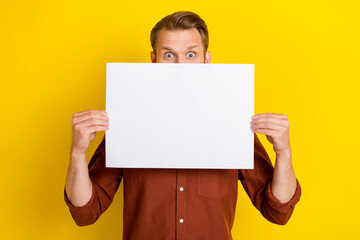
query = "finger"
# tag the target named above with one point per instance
(92, 129)
(78, 114)
(268, 132)
(268, 125)
(274, 120)
(275, 115)
(92, 122)
(90, 115)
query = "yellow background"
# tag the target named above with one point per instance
(52, 64)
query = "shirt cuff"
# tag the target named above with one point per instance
(83, 210)
(276, 204)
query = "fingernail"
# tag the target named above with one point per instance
(253, 117)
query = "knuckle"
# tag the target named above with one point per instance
(82, 131)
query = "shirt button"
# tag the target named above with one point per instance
(181, 220)
(181, 189)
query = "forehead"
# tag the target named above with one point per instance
(179, 39)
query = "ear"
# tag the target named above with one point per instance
(153, 57)
(207, 57)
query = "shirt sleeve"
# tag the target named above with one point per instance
(105, 182)
(257, 184)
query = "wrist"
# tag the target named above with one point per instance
(77, 157)
(283, 152)
(77, 152)
(284, 155)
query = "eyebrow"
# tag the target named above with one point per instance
(168, 48)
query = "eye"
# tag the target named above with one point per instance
(191, 55)
(169, 55)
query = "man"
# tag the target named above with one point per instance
(180, 203)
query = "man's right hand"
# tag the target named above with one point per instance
(84, 127)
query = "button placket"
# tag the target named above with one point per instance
(181, 204)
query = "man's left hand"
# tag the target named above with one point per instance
(275, 127)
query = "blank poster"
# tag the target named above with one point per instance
(165, 115)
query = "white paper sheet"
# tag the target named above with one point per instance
(180, 115)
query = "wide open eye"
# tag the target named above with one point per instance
(191, 55)
(169, 55)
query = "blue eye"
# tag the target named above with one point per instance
(191, 55)
(168, 55)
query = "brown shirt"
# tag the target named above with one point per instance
(181, 203)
